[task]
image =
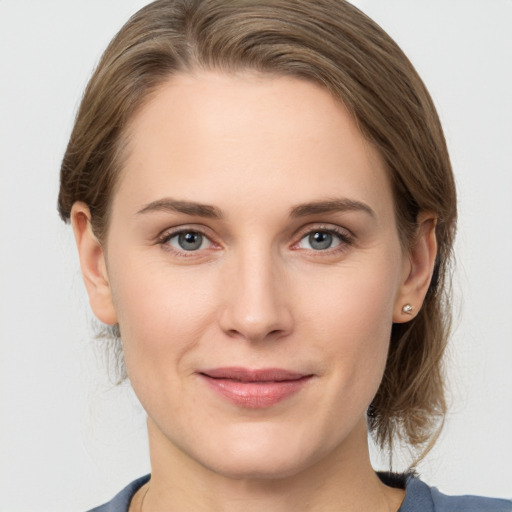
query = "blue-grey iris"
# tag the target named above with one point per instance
(190, 241)
(320, 240)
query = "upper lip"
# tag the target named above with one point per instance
(253, 375)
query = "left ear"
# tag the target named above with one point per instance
(418, 269)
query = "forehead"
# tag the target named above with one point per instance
(212, 136)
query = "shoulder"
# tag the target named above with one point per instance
(121, 501)
(419, 497)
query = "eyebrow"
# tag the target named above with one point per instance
(330, 206)
(212, 212)
(186, 207)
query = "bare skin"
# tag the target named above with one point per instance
(254, 227)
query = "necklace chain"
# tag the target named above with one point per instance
(147, 489)
(143, 498)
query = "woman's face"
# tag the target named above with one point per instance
(255, 270)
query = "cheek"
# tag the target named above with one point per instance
(161, 313)
(358, 299)
(352, 313)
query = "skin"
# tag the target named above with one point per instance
(257, 293)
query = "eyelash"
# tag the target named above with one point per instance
(345, 240)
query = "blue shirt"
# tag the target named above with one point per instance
(419, 497)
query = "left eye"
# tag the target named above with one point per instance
(320, 240)
(188, 241)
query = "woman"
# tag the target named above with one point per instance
(264, 211)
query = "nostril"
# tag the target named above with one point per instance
(273, 334)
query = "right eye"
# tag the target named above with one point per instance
(187, 240)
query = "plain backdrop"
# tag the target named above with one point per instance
(69, 439)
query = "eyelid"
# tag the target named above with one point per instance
(322, 226)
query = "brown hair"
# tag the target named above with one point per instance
(331, 43)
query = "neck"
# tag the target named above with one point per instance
(344, 481)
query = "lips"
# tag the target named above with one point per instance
(254, 389)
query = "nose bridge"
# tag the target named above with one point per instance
(257, 306)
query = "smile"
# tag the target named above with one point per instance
(254, 389)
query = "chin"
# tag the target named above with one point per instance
(268, 457)
(259, 467)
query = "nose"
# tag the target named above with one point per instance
(256, 302)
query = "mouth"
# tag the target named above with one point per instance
(254, 389)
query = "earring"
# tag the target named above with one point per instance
(407, 309)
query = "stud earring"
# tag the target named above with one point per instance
(407, 309)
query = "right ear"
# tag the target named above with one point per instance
(93, 265)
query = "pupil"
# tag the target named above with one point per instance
(320, 240)
(190, 241)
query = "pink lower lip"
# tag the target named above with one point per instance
(258, 393)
